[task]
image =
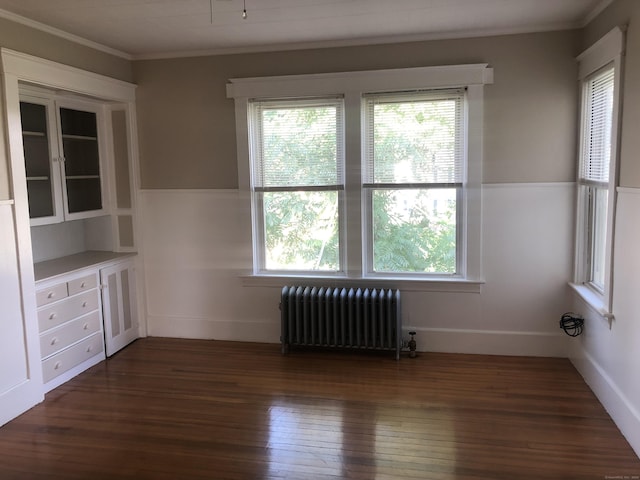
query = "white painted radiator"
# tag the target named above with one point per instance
(357, 318)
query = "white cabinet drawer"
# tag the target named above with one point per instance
(56, 339)
(82, 284)
(51, 294)
(64, 311)
(67, 359)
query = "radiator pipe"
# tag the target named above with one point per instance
(412, 345)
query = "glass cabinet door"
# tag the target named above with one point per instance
(83, 185)
(41, 170)
(62, 158)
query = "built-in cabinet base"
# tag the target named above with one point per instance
(86, 310)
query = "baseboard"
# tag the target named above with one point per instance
(209, 329)
(537, 344)
(489, 342)
(623, 413)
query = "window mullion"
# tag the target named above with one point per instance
(352, 219)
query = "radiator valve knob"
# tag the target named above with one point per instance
(412, 345)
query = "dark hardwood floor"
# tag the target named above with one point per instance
(192, 409)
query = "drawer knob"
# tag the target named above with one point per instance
(52, 316)
(82, 285)
(51, 295)
(57, 365)
(85, 326)
(84, 304)
(89, 348)
(54, 340)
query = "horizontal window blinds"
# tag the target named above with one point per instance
(298, 144)
(415, 139)
(598, 118)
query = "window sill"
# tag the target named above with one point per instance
(592, 299)
(456, 285)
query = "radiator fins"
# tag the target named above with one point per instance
(359, 318)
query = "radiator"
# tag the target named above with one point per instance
(358, 318)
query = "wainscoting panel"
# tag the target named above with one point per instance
(608, 354)
(197, 245)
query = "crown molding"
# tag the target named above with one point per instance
(62, 34)
(597, 10)
(356, 42)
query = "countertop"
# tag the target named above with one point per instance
(60, 266)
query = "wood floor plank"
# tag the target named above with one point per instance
(194, 409)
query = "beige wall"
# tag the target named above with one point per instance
(187, 125)
(625, 12)
(40, 44)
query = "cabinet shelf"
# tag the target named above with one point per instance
(79, 137)
(82, 177)
(71, 188)
(27, 133)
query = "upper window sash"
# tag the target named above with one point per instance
(598, 103)
(441, 138)
(297, 144)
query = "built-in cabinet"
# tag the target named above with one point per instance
(64, 157)
(84, 314)
(70, 326)
(68, 223)
(77, 165)
(118, 305)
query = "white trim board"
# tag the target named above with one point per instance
(209, 329)
(490, 342)
(27, 68)
(512, 343)
(369, 81)
(623, 413)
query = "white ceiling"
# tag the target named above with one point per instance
(157, 28)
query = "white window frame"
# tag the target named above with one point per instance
(258, 193)
(607, 52)
(352, 86)
(369, 186)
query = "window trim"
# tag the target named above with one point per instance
(257, 192)
(609, 50)
(369, 186)
(352, 86)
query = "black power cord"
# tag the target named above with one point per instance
(572, 324)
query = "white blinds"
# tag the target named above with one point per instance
(598, 118)
(415, 138)
(298, 144)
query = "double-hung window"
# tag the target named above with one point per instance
(368, 175)
(297, 170)
(414, 172)
(593, 177)
(597, 170)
